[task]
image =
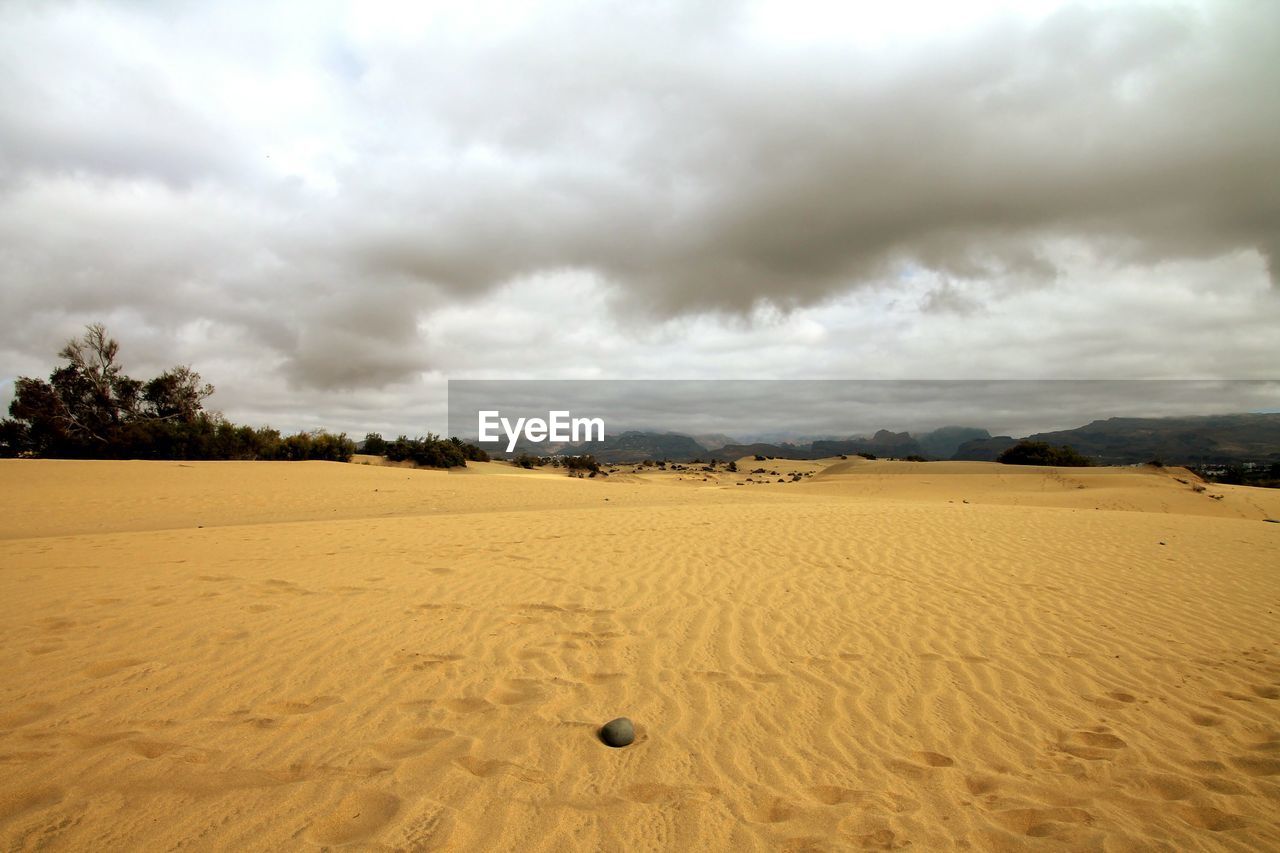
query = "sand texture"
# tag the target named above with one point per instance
(277, 656)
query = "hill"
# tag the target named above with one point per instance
(1176, 440)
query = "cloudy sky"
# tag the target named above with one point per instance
(328, 209)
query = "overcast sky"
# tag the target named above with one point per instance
(330, 208)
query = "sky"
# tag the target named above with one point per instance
(330, 209)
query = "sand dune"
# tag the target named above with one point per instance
(272, 656)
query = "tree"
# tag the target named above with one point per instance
(375, 444)
(96, 395)
(90, 407)
(176, 394)
(1043, 453)
(15, 437)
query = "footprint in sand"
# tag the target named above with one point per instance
(1092, 745)
(429, 827)
(358, 817)
(912, 770)
(834, 795)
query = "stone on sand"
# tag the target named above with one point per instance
(618, 733)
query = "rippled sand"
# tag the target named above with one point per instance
(267, 656)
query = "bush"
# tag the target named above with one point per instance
(375, 444)
(915, 458)
(865, 455)
(434, 451)
(91, 409)
(582, 463)
(1042, 453)
(525, 460)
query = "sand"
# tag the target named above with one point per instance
(270, 656)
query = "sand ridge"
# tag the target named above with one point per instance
(858, 661)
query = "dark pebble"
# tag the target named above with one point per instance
(618, 733)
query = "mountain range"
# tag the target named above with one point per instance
(1114, 441)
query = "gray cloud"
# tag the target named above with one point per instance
(350, 197)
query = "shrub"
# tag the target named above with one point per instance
(582, 463)
(1042, 453)
(524, 460)
(434, 451)
(90, 408)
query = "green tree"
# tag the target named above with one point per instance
(83, 408)
(1043, 453)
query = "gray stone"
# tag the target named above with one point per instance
(618, 733)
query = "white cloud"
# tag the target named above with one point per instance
(329, 207)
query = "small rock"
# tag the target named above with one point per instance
(618, 733)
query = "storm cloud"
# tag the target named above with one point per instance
(311, 198)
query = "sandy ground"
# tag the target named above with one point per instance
(273, 656)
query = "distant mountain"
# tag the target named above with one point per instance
(1115, 441)
(984, 449)
(883, 443)
(760, 448)
(1175, 441)
(636, 446)
(943, 442)
(714, 440)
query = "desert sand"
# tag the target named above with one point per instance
(276, 656)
